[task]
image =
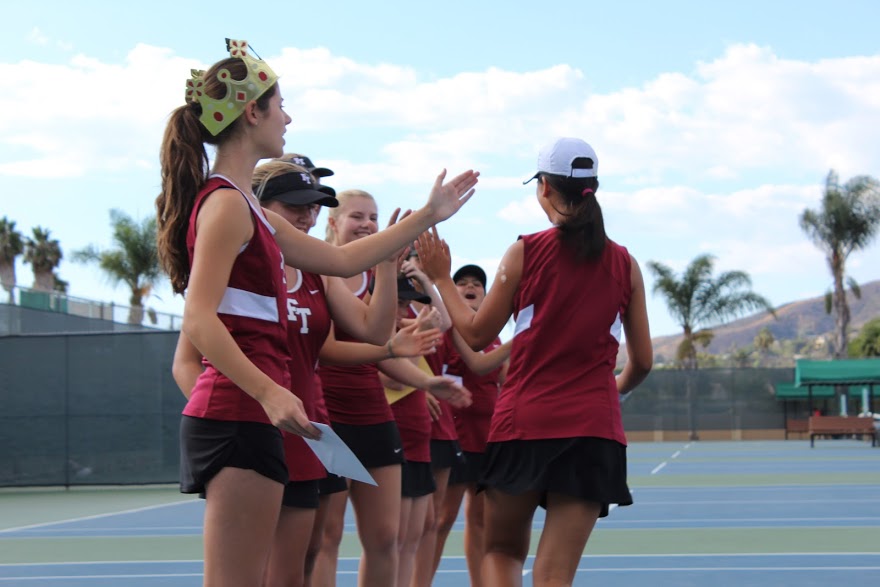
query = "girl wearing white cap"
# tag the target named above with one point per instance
(557, 436)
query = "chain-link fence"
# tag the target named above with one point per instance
(84, 409)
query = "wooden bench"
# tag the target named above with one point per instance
(842, 426)
(796, 426)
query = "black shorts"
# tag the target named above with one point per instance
(375, 445)
(207, 446)
(445, 454)
(587, 468)
(417, 480)
(301, 494)
(468, 471)
(332, 484)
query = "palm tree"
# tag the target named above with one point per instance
(698, 301)
(847, 221)
(11, 246)
(764, 341)
(134, 261)
(44, 255)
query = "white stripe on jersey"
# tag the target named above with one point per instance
(616, 328)
(248, 304)
(524, 319)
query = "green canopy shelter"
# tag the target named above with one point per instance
(820, 375)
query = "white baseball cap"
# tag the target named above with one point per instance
(568, 157)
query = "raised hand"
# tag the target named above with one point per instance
(447, 198)
(411, 269)
(410, 341)
(434, 255)
(450, 390)
(428, 318)
(286, 412)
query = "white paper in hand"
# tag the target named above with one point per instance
(336, 457)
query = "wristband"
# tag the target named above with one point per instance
(391, 354)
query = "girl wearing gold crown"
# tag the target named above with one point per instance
(228, 255)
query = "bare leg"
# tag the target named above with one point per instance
(508, 531)
(446, 518)
(241, 511)
(315, 539)
(566, 531)
(424, 563)
(287, 560)
(324, 574)
(474, 534)
(412, 526)
(377, 510)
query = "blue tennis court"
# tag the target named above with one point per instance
(756, 513)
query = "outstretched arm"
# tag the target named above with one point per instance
(406, 342)
(480, 362)
(405, 372)
(478, 328)
(316, 256)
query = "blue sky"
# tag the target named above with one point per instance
(714, 125)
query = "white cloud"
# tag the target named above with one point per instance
(37, 37)
(735, 149)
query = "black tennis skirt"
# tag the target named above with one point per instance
(469, 469)
(332, 484)
(375, 445)
(417, 480)
(207, 446)
(301, 494)
(587, 468)
(445, 454)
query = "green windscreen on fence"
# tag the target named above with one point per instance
(88, 409)
(91, 409)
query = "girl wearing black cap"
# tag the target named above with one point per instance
(557, 436)
(289, 190)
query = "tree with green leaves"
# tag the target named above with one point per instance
(699, 301)
(44, 255)
(11, 246)
(133, 261)
(763, 341)
(867, 343)
(846, 221)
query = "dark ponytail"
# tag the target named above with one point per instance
(583, 228)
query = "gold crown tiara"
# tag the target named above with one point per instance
(218, 114)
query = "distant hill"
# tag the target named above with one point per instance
(804, 319)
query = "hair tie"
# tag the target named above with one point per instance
(586, 191)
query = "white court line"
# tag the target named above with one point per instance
(74, 577)
(95, 517)
(658, 467)
(675, 454)
(721, 569)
